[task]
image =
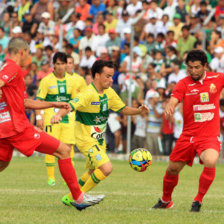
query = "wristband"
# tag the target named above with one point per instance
(38, 117)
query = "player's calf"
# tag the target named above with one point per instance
(63, 151)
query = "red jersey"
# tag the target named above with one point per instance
(12, 111)
(200, 104)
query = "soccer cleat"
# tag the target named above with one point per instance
(196, 206)
(67, 201)
(88, 200)
(164, 205)
(51, 182)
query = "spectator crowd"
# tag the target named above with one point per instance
(101, 29)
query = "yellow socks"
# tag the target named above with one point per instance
(50, 164)
(93, 180)
(82, 181)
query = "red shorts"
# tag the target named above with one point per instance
(187, 147)
(27, 142)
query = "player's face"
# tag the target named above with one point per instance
(196, 70)
(60, 67)
(105, 77)
(70, 65)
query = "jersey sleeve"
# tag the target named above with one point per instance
(80, 102)
(8, 72)
(42, 90)
(115, 102)
(179, 90)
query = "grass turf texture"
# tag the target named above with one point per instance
(25, 197)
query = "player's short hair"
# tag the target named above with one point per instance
(197, 55)
(61, 56)
(16, 44)
(99, 65)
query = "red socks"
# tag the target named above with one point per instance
(205, 180)
(169, 182)
(69, 175)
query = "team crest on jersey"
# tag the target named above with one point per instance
(204, 97)
(75, 100)
(212, 88)
(98, 157)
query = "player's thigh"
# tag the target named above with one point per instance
(95, 156)
(67, 133)
(208, 151)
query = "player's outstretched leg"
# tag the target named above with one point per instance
(170, 181)
(67, 171)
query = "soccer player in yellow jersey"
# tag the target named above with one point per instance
(80, 81)
(58, 86)
(92, 110)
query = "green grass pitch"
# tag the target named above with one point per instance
(25, 197)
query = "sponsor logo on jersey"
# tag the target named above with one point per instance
(52, 87)
(192, 84)
(194, 91)
(191, 94)
(212, 88)
(3, 105)
(202, 117)
(204, 107)
(4, 117)
(204, 97)
(95, 103)
(214, 76)
(98, 131)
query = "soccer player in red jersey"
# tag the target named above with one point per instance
(200, 93)
(17, 132)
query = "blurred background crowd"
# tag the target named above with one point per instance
(101, 29)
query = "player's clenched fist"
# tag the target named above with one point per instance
(62, 105)
(56, 119)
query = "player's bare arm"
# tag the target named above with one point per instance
(61, 113)
(135, 111)
(170, 107)
(38, 105)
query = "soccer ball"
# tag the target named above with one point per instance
(140, 159)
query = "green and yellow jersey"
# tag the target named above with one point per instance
(57, 90)
(92, 111)
(80, 81)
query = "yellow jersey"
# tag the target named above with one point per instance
(57, 90)
(80, 81)
(92, 111)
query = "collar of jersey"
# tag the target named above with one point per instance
(57, 77)
(97, 89)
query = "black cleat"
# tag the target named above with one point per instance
(196, 206)
(163, 205)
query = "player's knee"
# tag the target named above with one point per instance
(107, 169)
(63, 152)
(172, 170)
(210, 163)
(3, 165)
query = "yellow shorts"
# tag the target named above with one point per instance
(95, 155)
(62, 131)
